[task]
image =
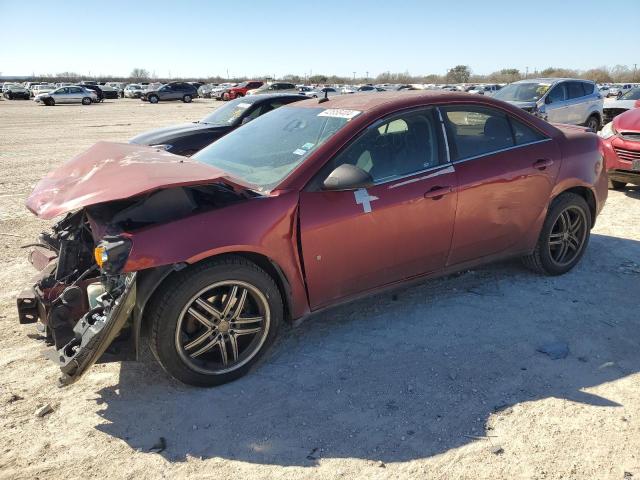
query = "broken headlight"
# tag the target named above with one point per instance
(111, 254)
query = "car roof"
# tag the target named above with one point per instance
(551, 80)
(270, 96)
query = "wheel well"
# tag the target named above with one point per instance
(589, 197)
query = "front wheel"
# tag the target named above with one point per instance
(49, 102)
(212, 322)
(153, 99)
(564, 236)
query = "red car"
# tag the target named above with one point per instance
(240, 90)
(313, 204)
(621, 141)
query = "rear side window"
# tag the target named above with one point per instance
(474, 131)
(575, 90)
(588, 88)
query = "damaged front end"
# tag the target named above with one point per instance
(82, 302)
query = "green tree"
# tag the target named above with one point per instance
(459, 74)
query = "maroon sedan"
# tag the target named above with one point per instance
(621, 141)
(311, 205)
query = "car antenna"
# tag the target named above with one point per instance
(326, 97)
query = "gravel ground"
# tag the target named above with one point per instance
(441, 380)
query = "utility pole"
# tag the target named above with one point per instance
(635, 65)
(526, 75)
(354, 77)
(367, 77)
(227, 74)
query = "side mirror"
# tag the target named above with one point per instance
(347, 177)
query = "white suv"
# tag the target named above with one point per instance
(557, 100)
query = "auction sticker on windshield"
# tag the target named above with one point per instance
(243, 105)
(339, 113)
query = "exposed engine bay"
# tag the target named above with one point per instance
(83, 297)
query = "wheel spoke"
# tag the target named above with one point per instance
(223, 351)
(210, 309)
(561, 253)
(246, 331)
(573, 243)
(240, 304)
(234, 347)
(245, 320)
(201, 318)
(231, 300)
(207, 347)
(198, 341)
(575, 225)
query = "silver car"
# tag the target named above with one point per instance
(64, 95)
(557, 100)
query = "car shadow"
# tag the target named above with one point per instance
(632, 191)
(402, 375)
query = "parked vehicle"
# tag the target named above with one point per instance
(621, 144)
(72, 94)
(240, 90)
(557, 100)
(204, 91)
(485, 89)
(309, 206)
(133, 90)
(320, 92)
(42, 88)
(616, 106)
(171, 91)
(14, 91)
(99, 94)
(118, 86)
(109, 92)
(619, 89)
(189, 138)
(603, 90)
(275, 87)
(216, 92)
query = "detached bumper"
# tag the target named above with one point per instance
(626, 176)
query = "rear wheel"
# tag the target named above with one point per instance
(153, 99)
(212, 322)
(593, 123)
(615, 185)
(186, 99)
(86, 101)
(226, 97)
(49, 102)
(564, 236)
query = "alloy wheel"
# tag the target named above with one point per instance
(567, 236)
(222, 327)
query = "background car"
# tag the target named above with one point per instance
(617, 89)
(109, 92)
(615, 106)
(99, 95)
(42, 88)
(320, 92)
(557, 100)
(621, 143)
(187, 139)
(118, 86)
(72, 94)
(14, 91)
(217, 91)
(171, 91)
(485, 89)
(275, 87)
(133, 90)
(240, 90)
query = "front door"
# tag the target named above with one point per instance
(401, 227)
(556, 104)
(506, 170)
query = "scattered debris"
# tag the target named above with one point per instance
(13, 397)
(381, 464)
(159, 446)
(43, 410)
(310, 456)
(480, 437)
(555, 350)
(497, 450)
(628, 474)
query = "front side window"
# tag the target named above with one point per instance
(474, 131)
(557, 94)
(403, 145)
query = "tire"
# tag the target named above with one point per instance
(593, 123)
(49, 102)
(544, 257)
(192, 352)
(187, 99)
(153, 99)
(86, 101)
(10, 96)
(615, 185)
(226, 97)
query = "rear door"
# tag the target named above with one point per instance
(578, 105)
(401, 227)
(506, 170)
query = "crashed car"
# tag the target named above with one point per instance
(317, 203)
(621, 144)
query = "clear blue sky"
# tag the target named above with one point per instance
(256, 38)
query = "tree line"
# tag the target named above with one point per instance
(457, 74)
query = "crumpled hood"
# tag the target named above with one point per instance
(114, 171)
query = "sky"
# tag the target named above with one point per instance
(188, 38)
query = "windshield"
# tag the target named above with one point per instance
(522, 92)
(633, 94)
(229, 113)
(266, 150)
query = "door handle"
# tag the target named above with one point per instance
(436, 193)
(543, 163)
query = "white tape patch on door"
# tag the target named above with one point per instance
(363, 198)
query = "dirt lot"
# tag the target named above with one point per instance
(441, 380)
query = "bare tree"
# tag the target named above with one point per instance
(139, 74)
